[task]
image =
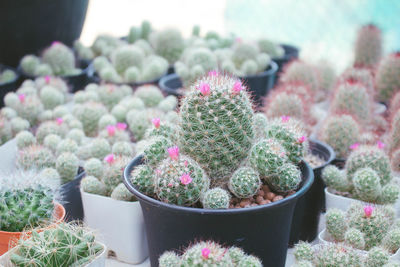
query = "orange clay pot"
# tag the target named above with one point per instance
(6, 237)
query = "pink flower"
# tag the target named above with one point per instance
(169, 185)
(204, 89)
(368, 211)
(354, 146)
(186, 163)
(121, 126)
(185, 179)
(21, 98)
(47, 78)
(302, 139)
(213, 73)
(59, 121)
(205, 252)
(380, 144)
(109, 158)
(55, 43)
(173, 152)
(285, 118)
(237, 87)
(238, 40)
(156, 122)
(158, 171)
(111, 130)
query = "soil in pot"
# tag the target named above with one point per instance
(311, 204)
(6, 237)
(7, 86)
(261, 231)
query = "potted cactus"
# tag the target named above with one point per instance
(58, 60)
(367, 177)
(364, 228)
(368, 46)
(8, 81)
(209, 253)
(28, 200)
(61, 245)
(219, 165)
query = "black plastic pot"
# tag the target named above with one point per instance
(291, 52)
(8, 86)
(310, 205)
(71, 198)
(171, 84)
(262, 231)
(28, 26)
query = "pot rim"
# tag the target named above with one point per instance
(332, 154)
(290, 55)
(17, 74)
(272, 69)
(141, 197)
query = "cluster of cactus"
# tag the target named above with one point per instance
(57, 60)
(61, 245)
(27, 200)
(270, 48)
(142, 32)
(367, 176)
(364, 227)
(168, 44)
(211, 39)
(368, 46)
(7, 76)
(387, 77)
(209, 253)
(360, 75)
(216, 136)
(326, 75)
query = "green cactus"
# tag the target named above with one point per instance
(156, 150)
(75, 134)
(389, 195)
(99, 148)
(337, 255)
(391, 241)
(377, 257)
(387, 77)
(168, 43)
(169, 259)
(92, 185)
(35, 157)
(66, 145)
(368, 46)
(286, 179)
(216, 198)
(286, 104)
(336, 179)
(89, 114)
(359, 75)
(354, 238)
(121, 193)
(51, 97)
(151, 95)
(94, 167)
(270, 48)
(244, 183)
(206, 253)
(367, 184)
(25, 139)
(60, 58)
(29, 64)
(303, 251)
(51, 141)
(112, 172)
(122, 148)
(336, 224)
(142, 177)
(67, 165)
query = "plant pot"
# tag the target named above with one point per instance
(121, 225)
(262, 231)
(99, 261)
(291, 52)
(8, 86)
(71, 198)
(6, 237)
(171, 84)
(34, 24)
(326, 239)
(309, 206)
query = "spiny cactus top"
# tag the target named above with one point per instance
(368, 46)
(216, 124)
(388, 77)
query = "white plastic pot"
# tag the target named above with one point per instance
(120, 224)
(99, 261)
(325, 238)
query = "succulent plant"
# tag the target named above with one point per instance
(89, 114)
(367, 184)
(336, 179)
(281, 103)
(156, 150)
(387, 77)
(121, 193)
(51, 141)
(122, 148)
(354, 238)
(35, 157)
(168, 43)
(151, 95)
(169, 259)
(25, 139)
(142, 177)
(376, 257)
(82, 51)
(99, 148)
(244, 183)
(51, 127)
(216, 198)
(368, 46)
(337, 255)
(142, 32)
(66, 145)
(272, 49)
(92, 185)
(51, 97)
(112, 171)
(359, 75)
(61, 245)
(303, 251)
(75, 134)
(67, 165)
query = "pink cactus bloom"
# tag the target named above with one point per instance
(238, 40)
(213, 73)
(156, 122)
(169, 185)
(285, 118)
(302, 139)
(205, 252)
(59, 121)
(354, 146)
(47, 79)
(55, 43)
(185, 179)
(109, 158)
(173, 152)
(186, 163)
(368, 211)
(237, 87)
(380, 144)
(21, 98)
(121, 126)
(204, 89)
(158, 171)
(111, 130)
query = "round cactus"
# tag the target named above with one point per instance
(336, 179)
(122, 193)
(122, 148)
(127, 56)
(270, 48)
(168, 104)
(244, 183)
(250, 261)
(303, 251)
(333, 254)
(236, 254)
(216, 198)
(376, 257)
(391, 242)
(367, 184)
(113, 169)
(142, 177)
(29, 108)
(8, 113)
(92, 185)
(29, 63)
(99, 148)
(340, 132)
(138, 122)
(105, 120)
(206, 254)
(287, 178)
(390, 194)
(67, 145)
(359, 75)
(75, 134)
(168, 43)
(115, 133)
(35, 157)
(25, 139)
(217, 138)
(285, 104)
(60, 58)
(50, 127)
(119, 112)
(89, 114)
(50, 173)
(51, 141)
(150, 95)
(94, 167)
(336, 224)
(368, 46)
(387, 77)
(156, 150)
(159, 128)
(17, 125)
(67, 165)
(260, 123)
(169, 259)
(354, 238)
(51, 97)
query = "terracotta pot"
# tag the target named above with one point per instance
(6, 237)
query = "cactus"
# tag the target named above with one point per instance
(50, 173)
(51, 141)
(352, 98)
(244, 183)
(394, 133)
(327, 76)
(89, 114)
(159, 128)
(35, 157)
(112, 172)
(336, 179)
(367, 184)
(248, 60)
(359, 75)
(106, 120)
(391, 242)
(387, 77)
(169, 259)
(50, 127)
(270, 48)
(51, 97)
(180, 180)
(75, 134)
(168, 104)
(29, 64)
(286, 179)
(151, 95)
(110, 95)
(389, 195)
(92, 185)
(285, 104)
(115, 133)
(168, 43)
(25, 139)
(216, 198)
(82, 51)
(201, 109)
(29, 108)
(67, 165)
(94, 167)
(138, 123)
(119, 112)
(303, 251)
(340, 132)
(368, 46)
(376, 257)
(61, 245)
(99, 148)
(121, 193)
(6, 131)
(336, 224)
(337, 255)
(8, 113)
(66, 145)
(122, 148)
(17, 125)
(142, 177)
(60, 58)
(354, 238)
(260, 123)
(7, 76)
(156, 150)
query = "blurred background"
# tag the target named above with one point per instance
(322, 29)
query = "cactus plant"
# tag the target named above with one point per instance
(368, 46)
(122, 148)
(376, 257)
(387, 77)
(92, 185)
(281, 103)
(112, 171)
(303, 251)
(168, 43)
(66, 145)
(336, 179)
(354, 238)
(35, 157)
(359, 75)
(67, 165)
(216, 198)
(244, 183)
(25, 139)
(121, 193)
(270, 48)
(150, 95)
(89, 114)
(142, 178)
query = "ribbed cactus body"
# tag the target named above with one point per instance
(368, 46)
(60, 58)
(245, 182)
(387, 77)
(216, 198)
